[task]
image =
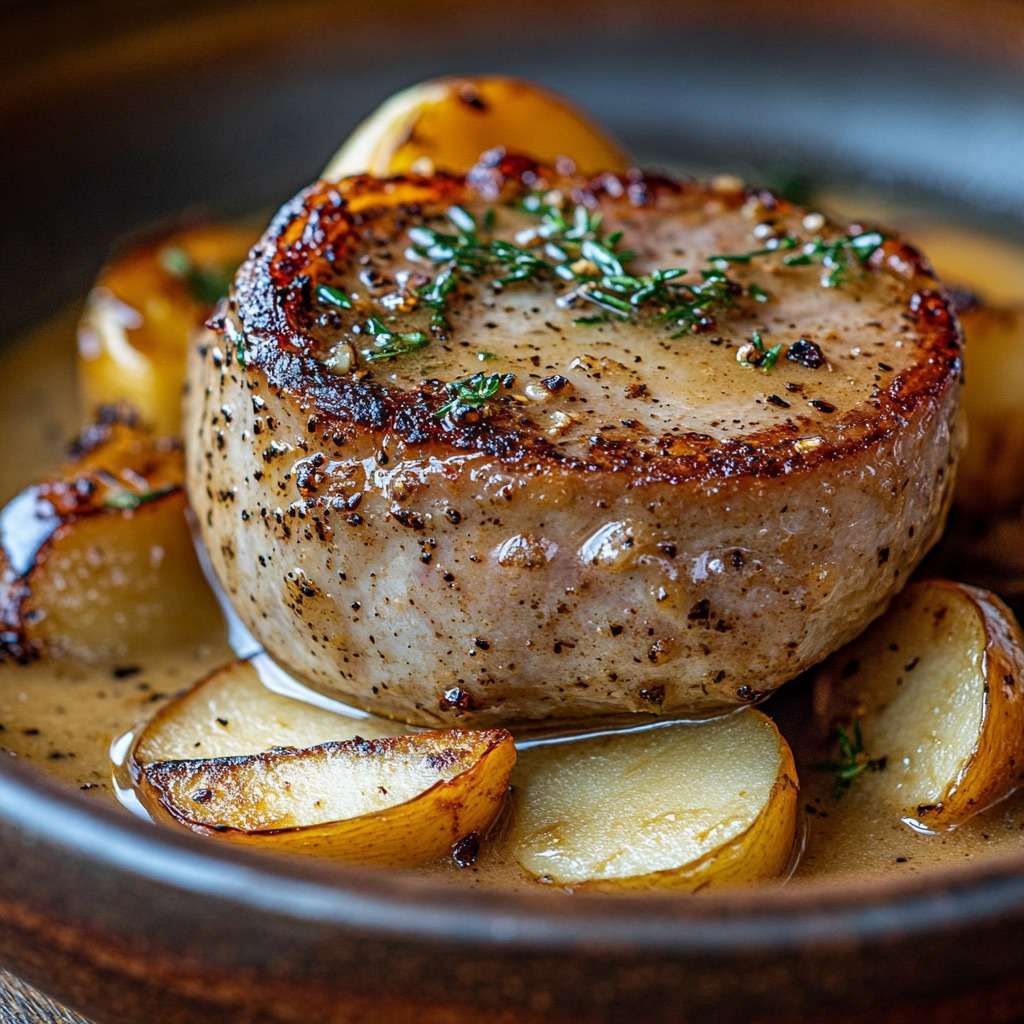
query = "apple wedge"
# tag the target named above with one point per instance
(144, 309)
(399, 801)
(234, 712)
(989, 478)
(932, 696)
(97, 562)
(445, 124)
(685, 807)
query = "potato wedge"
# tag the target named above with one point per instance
(232, 712)
(991, 474)
(400, 801)
(445, 124)
(98, 562)
(685, 807)
(145, 307)
(936, 687)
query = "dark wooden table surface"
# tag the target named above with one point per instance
(22, 1004)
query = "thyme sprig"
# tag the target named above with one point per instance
(852, 759)
(757, 355)
(124, 500)
(775, 245)
(333, 296)
(469, 393)
(466, 253)
(569, 244)
(389, 344)
(837, 256)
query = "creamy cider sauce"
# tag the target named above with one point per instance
(63, 716)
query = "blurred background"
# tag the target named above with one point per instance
(115, 115)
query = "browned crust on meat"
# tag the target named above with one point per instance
(323, 228)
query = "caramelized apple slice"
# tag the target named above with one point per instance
(933, 692)
(142, 313)
(685, 807)
(234, 712)
(97, 561)
(445, 124)
(399, 800)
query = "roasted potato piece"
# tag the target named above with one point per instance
(934, 689)
(98, 561)
(400, 800)
(445, 124)
(232, 712)
(991, 474)
(685, 807)
(145, 307)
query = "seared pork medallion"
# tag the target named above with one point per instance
(523, 445)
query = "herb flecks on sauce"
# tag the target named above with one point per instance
(837, 256)
(851, 759)
(471, 393)
(388, 344)
(568, 244)
(755, 354)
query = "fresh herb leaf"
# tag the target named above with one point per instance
(469, 393)
(837, 256)
(768, 356)
(851, 761)
(765, 358)
(124, 500)
(388, 344)
(778, 245)
(332, 296)
(699, 301)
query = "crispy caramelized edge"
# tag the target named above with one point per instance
(477, 745)
(261, 328)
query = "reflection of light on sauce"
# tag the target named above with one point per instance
(242, 642)
(274, 678)
(124, 790)
(610, 547)
(568, 735)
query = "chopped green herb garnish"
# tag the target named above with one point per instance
(715, 291)
(851, 760)
(778, 245)
(332, 296)
(485, 356)
(836, 257)
(124, 499)
(388, 344)
(470, 393)
(765, 358)
(208, 285)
